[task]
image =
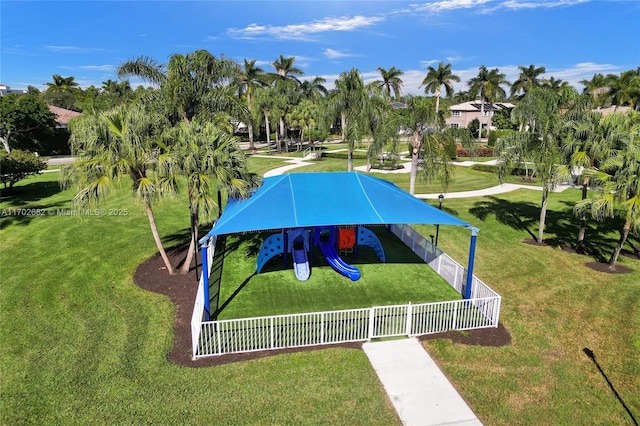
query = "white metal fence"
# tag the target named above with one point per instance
(319, 328)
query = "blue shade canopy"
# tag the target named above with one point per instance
(316, 199)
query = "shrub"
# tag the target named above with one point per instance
(487, 168)
(18, 165)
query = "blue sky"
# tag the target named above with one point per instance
(573, 39)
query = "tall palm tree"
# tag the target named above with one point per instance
(541, 137)
(62, 84)
(426, 144)
(527, 79)
(189, 84)
(249, 78)
(349, 101)
(618, 177)
(390, 81)
(122, 142)
(209, 160)
(487, 84)
(438, 77)
(286, 82)
(586, 145)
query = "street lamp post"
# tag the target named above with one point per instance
(440, 200)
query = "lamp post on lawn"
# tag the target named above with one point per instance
(440, 200)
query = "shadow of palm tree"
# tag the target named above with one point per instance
(521, 216)
(561, 229)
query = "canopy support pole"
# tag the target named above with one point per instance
(472, 255)
(205, 278)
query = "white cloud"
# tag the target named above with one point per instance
(304, 30)
(518, 4)
(445, 5)
(336, 54)
(487, 6)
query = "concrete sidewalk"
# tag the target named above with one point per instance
(421, 394)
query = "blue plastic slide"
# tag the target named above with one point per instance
(337, 263)
(300, 262)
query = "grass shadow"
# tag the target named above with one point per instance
(233, 295)
(26, 194)
(521, 216)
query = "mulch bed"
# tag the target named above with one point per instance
(152, 275)
(596, 266)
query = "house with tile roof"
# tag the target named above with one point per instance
(464, 113)
(62, 116)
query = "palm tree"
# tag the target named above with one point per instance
(436, 78)
(189, 84)
(625, 90)
(122, 142)
(314, 89)
(249, 78)
(618, 177)
(539, 108)
(487, 84)
(62, 84)
(426, 144)
(286, 81)
(208, 159)
(349, 101)
(268, 103)
(586, 145)
(527, 79)
(390, 81)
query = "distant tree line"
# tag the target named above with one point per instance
(186, 127)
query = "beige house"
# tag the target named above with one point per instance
(465, 113)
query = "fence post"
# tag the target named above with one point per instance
(217, 326)
(372, 314)
(271, 331)
(409, 314)
(455, 319)
(322, 327)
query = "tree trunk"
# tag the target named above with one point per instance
(437, 100)
(268, 130)
(5, 142)
(583, 219)
(250, 124)
(192, 245)
(481, 117)
(543, 214)
(250, 128)
(156, 237)
(623, 237)
(343, 124)
(350, 160)
(415, 150)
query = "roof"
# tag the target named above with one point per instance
(475, 106)
(63, 115)
(317, 199)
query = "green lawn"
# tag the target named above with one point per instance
(81, 344)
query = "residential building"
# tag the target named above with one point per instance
(62, 116)
(464, 113)
(5, 90)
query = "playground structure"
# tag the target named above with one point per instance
(299, 242)
(297, 204)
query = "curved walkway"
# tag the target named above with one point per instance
(295, 163)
